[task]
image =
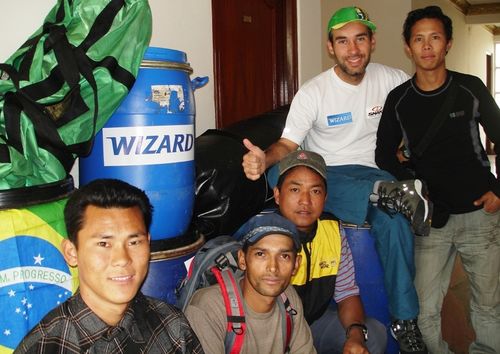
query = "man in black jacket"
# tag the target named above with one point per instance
(437, 115)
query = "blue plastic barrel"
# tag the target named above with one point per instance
(370, 278)
(166, 266)
(149, 140)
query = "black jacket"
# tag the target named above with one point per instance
(455, 166)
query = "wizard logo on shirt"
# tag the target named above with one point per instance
(34, 278)
(339, 119)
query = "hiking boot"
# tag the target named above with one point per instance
(408, 335)
(407, 198)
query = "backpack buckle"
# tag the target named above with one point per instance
(221, 261)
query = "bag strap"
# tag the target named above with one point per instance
(437, 122)
(46, 132)
(287, 313)
(4, 152)
(102, 24)
(236, 325)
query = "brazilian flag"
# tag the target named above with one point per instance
(34, 278)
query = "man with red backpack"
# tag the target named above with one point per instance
(270, 317)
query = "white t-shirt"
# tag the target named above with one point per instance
(339, 120)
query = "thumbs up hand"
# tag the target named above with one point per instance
(254, 161)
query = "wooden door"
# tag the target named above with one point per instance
(255, 60)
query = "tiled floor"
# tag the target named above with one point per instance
(456, 325)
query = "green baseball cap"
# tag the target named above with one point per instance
(349, 14)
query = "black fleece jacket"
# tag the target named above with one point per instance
(454, 166)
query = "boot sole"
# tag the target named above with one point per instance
(396, 339)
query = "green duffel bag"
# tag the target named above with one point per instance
(62, 85)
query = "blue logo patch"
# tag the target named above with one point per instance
(34, 278)
(339, 119)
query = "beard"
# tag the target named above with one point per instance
(353, 72)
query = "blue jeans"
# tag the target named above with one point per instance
(349, 189)
(475, 237)
(329, 334)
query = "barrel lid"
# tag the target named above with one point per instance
(165, 54)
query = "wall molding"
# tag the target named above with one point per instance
(479, 9)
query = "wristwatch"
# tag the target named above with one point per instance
(359, 325)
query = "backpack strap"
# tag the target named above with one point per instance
(236, 325)
(287, 311)
(231, 294)
(437, 122)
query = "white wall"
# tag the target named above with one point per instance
(186, 25)
(309, 39)
(18, 24)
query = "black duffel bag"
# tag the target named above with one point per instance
(225, 198)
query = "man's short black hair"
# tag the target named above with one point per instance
(104, 193)
(427, 12)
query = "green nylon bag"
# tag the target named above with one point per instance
(65, 81)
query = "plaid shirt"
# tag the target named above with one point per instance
(148, 326)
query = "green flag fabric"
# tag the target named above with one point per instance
(34, 277)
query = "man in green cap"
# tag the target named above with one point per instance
(336, 114)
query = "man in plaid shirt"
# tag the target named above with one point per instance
(108, 229)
